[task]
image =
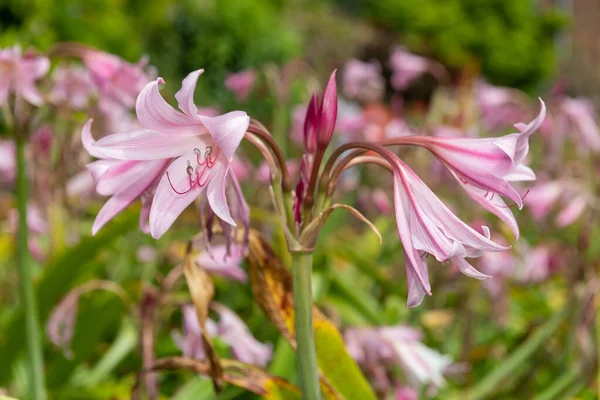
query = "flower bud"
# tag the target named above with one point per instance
(327, 113)
(311, 123)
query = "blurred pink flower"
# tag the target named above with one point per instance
(116, 78)
(537, 264)
(263, 173)
(426, 225)
(217, 261)
(485, 167)
(575, 196)
(37, 224)
(363, 81)
(7, 161)
(375, 348)
(580, 113)
(498, 105)
(230, 328)
(73, 87)
(404, 393)
(18, 74)
(241, 83)
(202, 146)
(407, 68)
(41, 140)
(124, 181)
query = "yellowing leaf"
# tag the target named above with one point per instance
(341, 378)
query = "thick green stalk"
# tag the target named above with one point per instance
(32, 329)
(305, 339)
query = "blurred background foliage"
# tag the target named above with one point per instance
(512, 41)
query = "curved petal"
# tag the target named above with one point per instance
(185, 95)
(155, 113)
(468, 269)
(122, 199)
(173, 195)
(227, 130)
(215, 191)
(98, 168)
(572, 211)
(416, 291)
(521, 173)
(29, 92)
(88, 140)
(146, 144)
(491, 202)
(119, 176)
(522, 146)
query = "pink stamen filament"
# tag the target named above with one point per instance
(201, 170)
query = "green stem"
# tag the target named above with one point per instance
(32, 329)
(307, 356)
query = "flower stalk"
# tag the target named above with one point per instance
(303, 304)
(27, 293)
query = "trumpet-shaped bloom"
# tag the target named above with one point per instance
(124, 181)
(18, 73)
(485, 167)
(230, 328)
(379, 349)
(427, 226)
(202, 146)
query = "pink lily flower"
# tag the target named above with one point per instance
(499, 104)
(116, 78)
(18, 73)
(408, 67)
(241, 83)
(219, 262)
(574, 195)
(485, 167)
(124, 181)
(426, 225)
(73, 87)
(580, 112)
(202, 146)
(230, 328)
(379, 349)
(363, 80)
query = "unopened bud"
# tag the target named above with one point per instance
(327, 113)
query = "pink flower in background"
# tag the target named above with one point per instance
(124, 181)
(363, 80)
(575, 197)
(219, 262)
(18, 74)
(115, 78)
(407, 68)
(379, 349)
(241, 83)
(202, 146)
(7, 161)
(263, 173)
(498, 105)
(537, 263)
(580, 113)
(230, 328)
(73, 87)
(404, 393)
(426, 225)
(37, 224)
(485, 167)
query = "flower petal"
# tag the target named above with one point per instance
(88, 140)
(146, 144)
(227, 130)
(185, 95)
(122, 199)
(468, 269)
(173, 195)
(215, 192)
(155, 113)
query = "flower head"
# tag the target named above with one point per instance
(241, 83)
(202, 146)
(409, 67)
(73, 87)
(363, 80)
(427, 226)
(485, 167)
(18, 74)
